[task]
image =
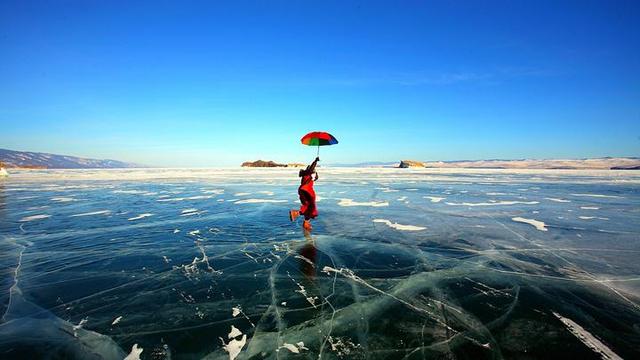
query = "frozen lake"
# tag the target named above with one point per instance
(402, 263)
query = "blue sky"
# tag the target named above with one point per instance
(212, 83)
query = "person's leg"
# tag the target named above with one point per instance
(293, 215)
(306, 224)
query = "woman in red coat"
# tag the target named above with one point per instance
(307, 196)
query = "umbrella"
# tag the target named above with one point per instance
(318, 138)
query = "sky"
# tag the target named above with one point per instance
(216, 83)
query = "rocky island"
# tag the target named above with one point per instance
(262, 163)
(410, 164)
(269, 163)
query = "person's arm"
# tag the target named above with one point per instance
(312, 168)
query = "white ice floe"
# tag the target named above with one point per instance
(116, 320)
(558, 200)
(256, 201)
(496, 203)
(434, 199)
(588, 339)
(34, 217)
(242, 194)
(589, 208)
(175, 231)
(535, 223)
(141, 216)
(268, 193)
(399, 226)
(101, 212)
(185, 211)
(135, 353)
(599, 196)
(294, 348)
(350, 202)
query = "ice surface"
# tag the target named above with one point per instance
(220, 272)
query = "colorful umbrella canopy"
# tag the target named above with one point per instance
(318, 138)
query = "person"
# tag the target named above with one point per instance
(307, 196)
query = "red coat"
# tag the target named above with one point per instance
(307, 198)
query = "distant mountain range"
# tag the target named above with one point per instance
(26, 159)
(605, 163)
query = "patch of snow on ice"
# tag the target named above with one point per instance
(256, 201)
(558, 200)
(513, 202)
(350, 202)
(294, 348)
(141, 216)
(399, 226)
(535, 223)
(135, 353)
(101, 212)
(593, 217)
(234, 332)
(63, 199)
(599, 196)
(234, 347)
(588, 339)
(34, 217)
